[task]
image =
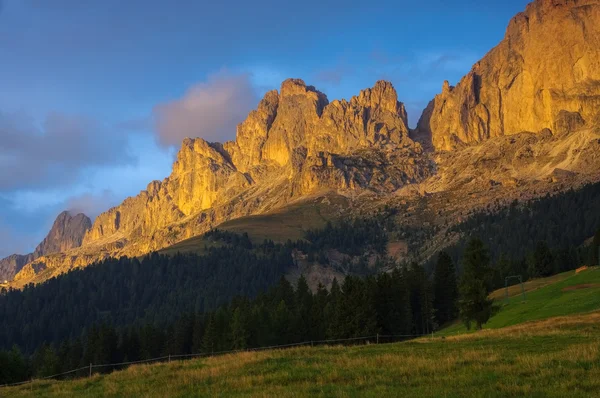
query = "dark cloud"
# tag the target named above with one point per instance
(56, 153)
(210, 110)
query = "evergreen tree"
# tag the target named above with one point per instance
(13, 367)
(197, 334)
(474, 304)
(304, 298)
(239, 333)
(445, 289)
(421, 299)
(282, 325)
(333, 311)
(210, 339)
(46, 362)
(542, 262)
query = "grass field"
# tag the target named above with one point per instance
(563, 294)
(558, 357)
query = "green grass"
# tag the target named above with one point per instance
(545, 298)
(558, 357)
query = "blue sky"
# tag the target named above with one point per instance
(96, 95)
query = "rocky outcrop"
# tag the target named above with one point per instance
(11, 265)
(66, 233)
(295, 142)
(545, 74)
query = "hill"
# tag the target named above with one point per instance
(557, 357)
(563, 294)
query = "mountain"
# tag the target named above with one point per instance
(545, 74)
(522, 124)
(67, 232)
(11, 265)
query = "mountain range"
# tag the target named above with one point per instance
(524, 122)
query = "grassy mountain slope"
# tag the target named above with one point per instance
(290, 222)
(552, 358)
(564, 294)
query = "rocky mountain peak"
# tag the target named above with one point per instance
(383, 95)
(294, 133)
(66, 233)
(547, 66)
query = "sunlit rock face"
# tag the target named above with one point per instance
(545, 74)
(295, 143)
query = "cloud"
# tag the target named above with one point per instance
(57, 153)
(92, 204)
(210, 110)
(333, 76)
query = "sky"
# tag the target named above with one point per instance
(96, 96)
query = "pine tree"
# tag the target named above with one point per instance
(473, 304)
(239, 333)
(445, 289)
(209, 341)
(333, 311)
(303, 310)
(197, 334)
(542, 262)
(421, 299)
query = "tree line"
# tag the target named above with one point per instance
(396, 303)
(514, 234)
(403, 302)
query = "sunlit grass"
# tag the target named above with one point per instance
(544, 298)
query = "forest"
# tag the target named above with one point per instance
(562, 222)
(400, 304)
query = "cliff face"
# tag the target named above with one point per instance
(66, 233)
(293, 144)
(545, 74)
(11, 265)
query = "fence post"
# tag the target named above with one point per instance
(169, 358)
(311, 343)
(377, 339)
(90, 369)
